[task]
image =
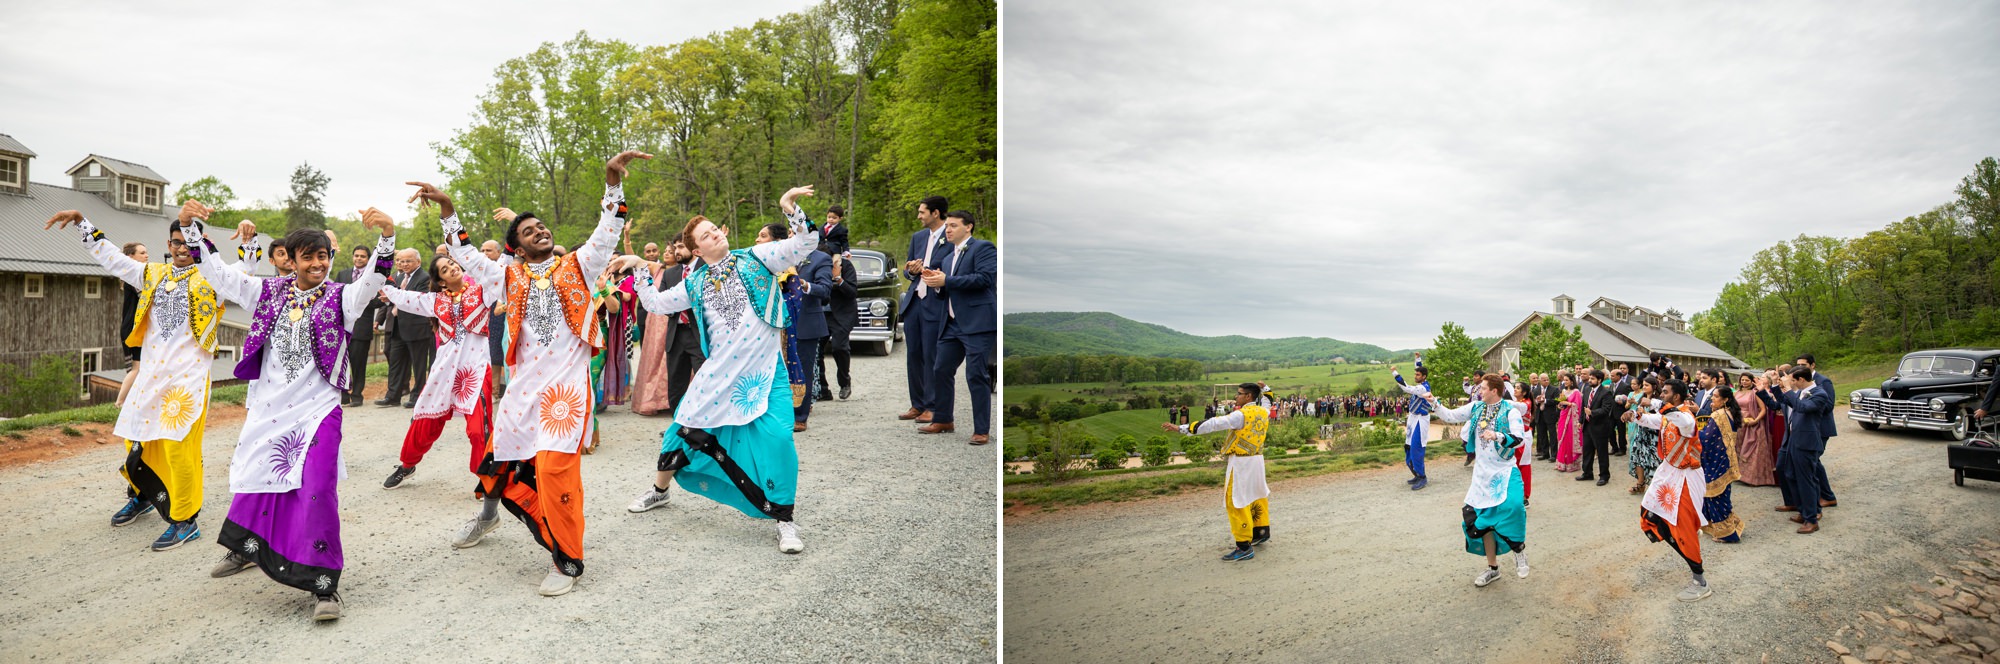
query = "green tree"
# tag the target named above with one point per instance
(49, 383)
(1453, 358)
(208, 190)
(1159, 451)
(1550, 345)
(305, 208)
(940, 120)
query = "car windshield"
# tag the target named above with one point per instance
(1915, 365)
(1932, 365)
(867, 268)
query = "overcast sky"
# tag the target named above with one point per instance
(245, 91)
(1367, 171)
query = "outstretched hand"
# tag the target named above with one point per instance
(428, 194)
(504, 215)
(245, 230)
(622, 263)
(63, 219)
(379, 220)
(194, 209)
(614, 170)
(1170, 427)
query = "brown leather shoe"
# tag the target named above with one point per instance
(798, 426)
(924, 418)
(1829, 503)
(910, 414)
(1787, 508)
(936, 427)
(1808, 529)
(1798, 519)
(980, 439)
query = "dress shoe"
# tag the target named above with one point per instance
(910, 414)
(798, 426)
(936, 427)
(845, 391)
(824, 395)
(1829, 503)
(388, 401)
(980, 439)
(1603, 481)
(1584, 478)
(1797, 519)
(411, 403)
(1808, 529)
(1787, 508)
(924, 418)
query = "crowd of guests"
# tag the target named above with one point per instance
(1324, 408)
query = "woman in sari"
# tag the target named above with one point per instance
(1569, 427)
(1522, 457)
(1754, 446)
(1719, 464)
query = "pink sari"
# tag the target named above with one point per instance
(1754, 446)
(1569, 433)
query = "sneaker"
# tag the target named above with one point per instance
(132, 511)
(1421, 483)
(176, 535)
(1486, 578)
(397, 476)
(1694, 592)
(1521, 564)
(557, 583)
(646, 501)
(327, 608)
(474, 530)
(1261, 536)
(1238, 555)
(231, 563)
(788, 538)
(1412, 480)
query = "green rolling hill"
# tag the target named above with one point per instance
(1100, 333)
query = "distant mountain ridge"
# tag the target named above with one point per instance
(1101, 333)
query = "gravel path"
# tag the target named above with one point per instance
(1361, 569)
(899, 563)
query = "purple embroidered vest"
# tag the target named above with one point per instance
(329, 335)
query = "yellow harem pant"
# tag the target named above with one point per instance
(1244, 520)
(167, 473)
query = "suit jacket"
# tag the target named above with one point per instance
(1992, 389)
(1824, 385)
(969, 285)
(818, 273)
(840, 311)
(670, 277)
(929, 308)
(834, 238)
(1604, 410)
(1805, 416)
(364, 325)
(407, 326)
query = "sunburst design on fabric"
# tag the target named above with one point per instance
(250, 546)
(746, 393)
(464, 383)
(288, 453)
(562, 410)
(323, 582)
(177, 407)
(1668, 496)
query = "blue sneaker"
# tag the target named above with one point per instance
(132, 511)
(1421, 483)
(1238, 555)
(176, 535)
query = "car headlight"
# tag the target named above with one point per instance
(878, 308)
(1937, 405)
(1854, 398)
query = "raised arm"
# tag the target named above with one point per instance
(1457, 415)
(232, 284)
(596, 252)
(671, 301)
(355, 297)
(421, 304)
(783, 254)
(489, 274)
(132, 272)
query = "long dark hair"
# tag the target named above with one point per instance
(437, 284)
(1735, 409)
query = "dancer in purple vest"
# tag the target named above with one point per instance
(285, 515)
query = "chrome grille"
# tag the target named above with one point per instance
(1900, 409)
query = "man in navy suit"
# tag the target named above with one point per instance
(923, 309)
(1823, 384)
(816, 282)
(965, 274)
(1807, 404)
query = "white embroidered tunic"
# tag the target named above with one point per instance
(1492, 473)
(458, 373)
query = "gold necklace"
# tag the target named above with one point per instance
(299, 308)
(542, 280)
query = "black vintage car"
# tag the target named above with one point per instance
(877, 281)
(1933, 390)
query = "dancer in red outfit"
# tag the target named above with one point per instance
(460, 377)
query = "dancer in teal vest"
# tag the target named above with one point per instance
(731, 440)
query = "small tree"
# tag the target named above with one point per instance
(48, 384)
(1058, 460)
(1550, 345)
(1126, 443)
(1453, 358)
(1159, 451)
(1197, 449)
(1109, 457)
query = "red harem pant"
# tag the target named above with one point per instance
(478, 427)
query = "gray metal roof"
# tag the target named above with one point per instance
(1601, 341)
(8, 144)
(1662, 339)
(122, 167)
(31, 249)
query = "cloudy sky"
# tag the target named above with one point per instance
(1365, 171)
(246, 91)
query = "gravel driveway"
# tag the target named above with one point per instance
(899, 565)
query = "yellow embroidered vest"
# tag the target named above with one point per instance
(204, 308)
(1249, 440)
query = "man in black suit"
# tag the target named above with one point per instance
(1601, 415)
(841, 317)
(922, 313)
(816, 282)
(410, 341)
(683, 347)
(1546, 411)
(965, 274)
(1826, 428)
(1807, 406)
(363, 333)
(1622, 382)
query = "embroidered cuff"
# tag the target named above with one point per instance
(250, 251)
(614, 197)
(454, 232)
(195, 236)
(797, 217)
(385, 254)
(90, 233)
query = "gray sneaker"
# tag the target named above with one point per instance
(1486, 578)
(473, 531)
(646, 501)
(1521, 564)
(557, 583)
(231, 563)
(326, 608)
(1694, 592)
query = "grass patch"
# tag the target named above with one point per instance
(106, 413)
(1847, 379)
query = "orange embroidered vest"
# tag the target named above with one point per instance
(1671, 441)
(572, 290)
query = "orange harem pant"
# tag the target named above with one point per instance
(1684, 536)
(478, 427)
(546, 493)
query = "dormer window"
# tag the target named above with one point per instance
(152, 197)
(132, 193)
(10, 172)
(96, 170)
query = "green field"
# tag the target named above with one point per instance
(1314, 380)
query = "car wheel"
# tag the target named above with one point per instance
(881, 348)
(1871, 426)
(1960, 430)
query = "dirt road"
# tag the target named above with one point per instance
(899, 565)
(1362, 569)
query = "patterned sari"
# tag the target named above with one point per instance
(1719, 465)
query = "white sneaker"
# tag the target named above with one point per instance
(646, 501)
(557, 583)
(788, 538)
(473, 531)
(1521, 564)
(1695, 592)
(1486, 577)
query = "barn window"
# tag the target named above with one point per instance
(10, 171)
(89, 360)
(93, 288)
(152, 197)
(131, 193)
(33, 286)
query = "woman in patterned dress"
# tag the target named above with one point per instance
(1569, 427)
(1643, 454)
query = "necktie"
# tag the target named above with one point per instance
(923, 289)
(685, 271)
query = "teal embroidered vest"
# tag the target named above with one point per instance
(766, 299)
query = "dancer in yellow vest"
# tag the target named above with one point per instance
(1245, 496)
(166, 408)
